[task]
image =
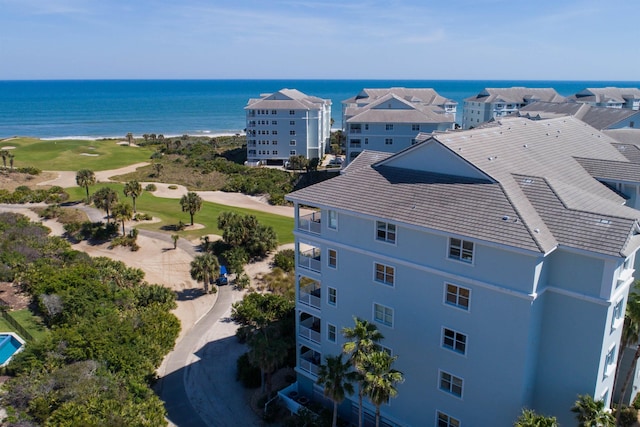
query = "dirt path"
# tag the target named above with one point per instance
(68, 178)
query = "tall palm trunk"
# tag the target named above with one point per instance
(636, 356)
(334, 421)
(360, 393)
(377, 416)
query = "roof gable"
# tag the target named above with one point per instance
(432, 156)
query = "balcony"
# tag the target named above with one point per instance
(310, 292)
(310, 327)
(355, 129)
(310, 223)
(309, 360)
(310, 259)
(354, 144)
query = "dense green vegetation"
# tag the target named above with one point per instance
(109, 331)
(24, 194)
(72, 155)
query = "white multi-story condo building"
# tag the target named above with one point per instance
(600, 118)
(284, 124)
(390, 119)
(609, 97)
(494, 261)
(494, 103)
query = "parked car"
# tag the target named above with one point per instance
(223, 278)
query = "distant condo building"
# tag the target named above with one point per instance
(609, 97)
(284, 124)
(493, 103)
(390, 119)
(495, 261)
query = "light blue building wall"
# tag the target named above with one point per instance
(523, 323)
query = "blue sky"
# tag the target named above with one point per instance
(359, 39)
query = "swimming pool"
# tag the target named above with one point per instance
(10, 344)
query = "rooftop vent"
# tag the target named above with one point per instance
(505, 218)
(604, 221)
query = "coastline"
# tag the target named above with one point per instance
(99, 138)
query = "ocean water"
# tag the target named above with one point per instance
(112, 108)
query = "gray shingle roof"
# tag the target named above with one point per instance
(606, 94)
(610, 170)
(624, 136)
(517, 95)
(375, 112)
(512, 154)
(597, 117)
(286, 99)
(426, 96)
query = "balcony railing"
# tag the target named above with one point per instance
(310, 329)
(310, 362)
(355, 145)
(310, 259)
(310, 295)
(355, 130)
(310, 223)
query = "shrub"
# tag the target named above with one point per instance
(242, 281)
(173, 187)
(285, 259)
(246, 373)
(150, 187)
(628, 416)
(142, 217)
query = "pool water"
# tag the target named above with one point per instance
(9, 345)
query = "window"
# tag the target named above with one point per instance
(457, 296)
(385, 232)
(388, 141)
(274, 132)
(389, 126)
(331, 332)
(274, 122)
(292, 142)
(609, 363)
(445, 420)
(415, 127)
(274, 142)
(617, 314)
(292, 152)
(382, 314)
(366, 141)
(274, 111)
(275, 152)
(366, 126)
(384, 274)
(461, 250)
(333, 258)
(454, 340)
(332, 296)
(333, 219)
(292, 132)
(292, 122)
(451, 384)
(292, 112)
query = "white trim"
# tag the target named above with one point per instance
(455, 306)
(380, 282)
(328, 294)
(373, 314)
(453, 349)
(448, 392)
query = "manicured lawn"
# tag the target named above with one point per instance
(71, 155)
(170, 213)
(31, 323)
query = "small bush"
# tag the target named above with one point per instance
(285, 259)
(173, 187)
(636, 402)
(246, 373)
(628, 416)
(150, 187)
(243, 281)
(142, 217)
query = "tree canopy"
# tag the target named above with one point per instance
(245, 231)
(191, 203)
(109, 331)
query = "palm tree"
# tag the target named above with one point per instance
(130, 138)
(85, 178)
(11, 157)
(337, 380)
(122, 212)
(591, 413)
(364, 337)
(204, 268)
(158, 168)
(267, 351)
(104, 198)
(529, 418)
(4, 154)
(380, 379)
(630, 336)
(133, 189)
(175, 238)
(191, 203)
